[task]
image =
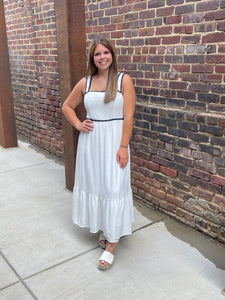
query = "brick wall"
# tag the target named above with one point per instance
(175, 52)
(33, 59)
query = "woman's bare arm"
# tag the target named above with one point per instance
(75, 97)
(129, 97)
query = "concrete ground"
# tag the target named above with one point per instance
(44, 256)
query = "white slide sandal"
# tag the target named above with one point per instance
(107, 257)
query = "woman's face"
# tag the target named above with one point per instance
(102, 57)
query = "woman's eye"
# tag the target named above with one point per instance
(98, 53)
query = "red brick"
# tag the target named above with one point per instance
(142, 185)
(153, 75)
(143, 82)
(164, 12)
(218, 59)
(146, 31)
(183, 29)
(124, 59)
(202, 68)
(220, 69)
(152, 50)
(98, 29)
(137, 160)
(144, 50)
(175, 200)
(151, 165)
(170, 40)
(181, 68)
(140, 6)
(221, 122)
(141, 59)
(173, 20)
(168, 171)
(180, 50)
(178, 85)
(218, 180)
(110, 27)
(118, 2)
(124, 9)
(153, 41)
(214, 38)
(155, 58)
(218, 15)
(117, 34)
(148, 14)
(199, 174)
(219, 200)
(211, 78)
(153, 182)
(164, 30)
(116, 19)
(157, 192)
(131, 1)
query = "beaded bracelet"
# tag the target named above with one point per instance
(123, 146)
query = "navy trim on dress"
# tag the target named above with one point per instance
(108, 120)
(86, 83)
(121, 81)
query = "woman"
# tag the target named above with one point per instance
(102, 196)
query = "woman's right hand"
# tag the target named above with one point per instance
(85, 126)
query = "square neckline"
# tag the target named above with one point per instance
(89, 80)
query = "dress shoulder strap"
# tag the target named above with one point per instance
(120, 80)
(88, 84)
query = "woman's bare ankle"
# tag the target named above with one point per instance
(111, 247)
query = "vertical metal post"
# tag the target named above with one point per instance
(8, 136)
(71, 38)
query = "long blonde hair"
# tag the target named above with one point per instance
(112, 82)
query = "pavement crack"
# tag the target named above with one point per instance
(60, 263)
(26, 167)
(18, 276)
(149, 224)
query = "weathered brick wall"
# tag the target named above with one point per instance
(175, 52)
(31, 32)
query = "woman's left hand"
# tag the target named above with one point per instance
(122, 157)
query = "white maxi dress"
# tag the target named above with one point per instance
(102, 195)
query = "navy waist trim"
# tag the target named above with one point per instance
(108, 120)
